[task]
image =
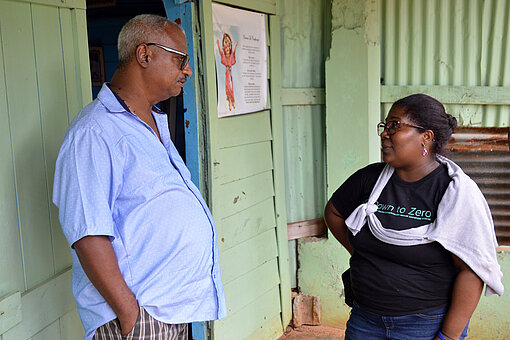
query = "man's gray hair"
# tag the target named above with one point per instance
(144, 28)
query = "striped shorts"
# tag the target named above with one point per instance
(146, 328)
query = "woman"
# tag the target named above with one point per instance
(419, 232)
(228, 58)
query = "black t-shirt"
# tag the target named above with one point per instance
(389, 279)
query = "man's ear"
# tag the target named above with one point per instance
(143, 55)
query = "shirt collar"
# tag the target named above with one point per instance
(109, 100)
(158, 110)
(114, 103)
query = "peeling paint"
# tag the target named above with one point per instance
(348, 14)
(187, 123)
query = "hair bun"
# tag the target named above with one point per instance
(452, 121)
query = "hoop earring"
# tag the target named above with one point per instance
(425, 152)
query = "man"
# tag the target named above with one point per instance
(143, 240)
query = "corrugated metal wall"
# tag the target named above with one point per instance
(449, 42)
(303, 56)
(304, 47)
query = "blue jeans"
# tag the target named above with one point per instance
(363, 325)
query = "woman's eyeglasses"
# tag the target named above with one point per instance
(185, 57)
(393, 126)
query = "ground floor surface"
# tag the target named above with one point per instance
(314, 333)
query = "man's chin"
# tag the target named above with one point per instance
(176, 92)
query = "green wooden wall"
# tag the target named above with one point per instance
(246, 195)
(44, 82)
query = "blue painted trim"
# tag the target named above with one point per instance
(176, 9)
(191, 123)
(198, 331)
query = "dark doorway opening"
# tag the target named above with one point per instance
(104, 22)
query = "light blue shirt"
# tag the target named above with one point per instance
(114, 177)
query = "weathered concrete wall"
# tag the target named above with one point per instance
(352, 111)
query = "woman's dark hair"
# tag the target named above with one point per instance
(429, 113)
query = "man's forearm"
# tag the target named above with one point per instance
(100, 264)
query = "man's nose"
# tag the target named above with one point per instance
(187, 71)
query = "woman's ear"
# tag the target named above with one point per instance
(428, 136)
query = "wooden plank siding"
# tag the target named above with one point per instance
(68, 326)
(53, 112)
(244, 129)
(25, 122)
(247, 288)
(251, 318)
(246, 224)
(248, 255)
(245, 197)
(269, 330)
(242, 161)
(244, 193)
(461, 95)
(10, 261)
(275, 59)
(303, 96)
(44, 82)
(42, 306)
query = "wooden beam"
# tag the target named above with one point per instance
(78, 4)
(278, 133)
(10, 312)
(315, 227)
(43, 305)
(471, 95)
(303, 96)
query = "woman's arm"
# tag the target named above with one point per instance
(219, 48)
(336, 223)
(465, 296)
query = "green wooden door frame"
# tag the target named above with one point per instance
(208, 60)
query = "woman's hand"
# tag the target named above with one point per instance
(336, 223)
(465, 296)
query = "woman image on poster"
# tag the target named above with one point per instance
(228, 58)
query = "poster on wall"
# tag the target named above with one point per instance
(241, 60)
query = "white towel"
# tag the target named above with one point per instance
(463, 225)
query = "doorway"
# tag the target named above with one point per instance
(104, 22)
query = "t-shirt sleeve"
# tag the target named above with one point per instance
(356, 189)
(84, 185)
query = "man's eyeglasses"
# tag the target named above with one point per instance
(185, 59)
(393, 126)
